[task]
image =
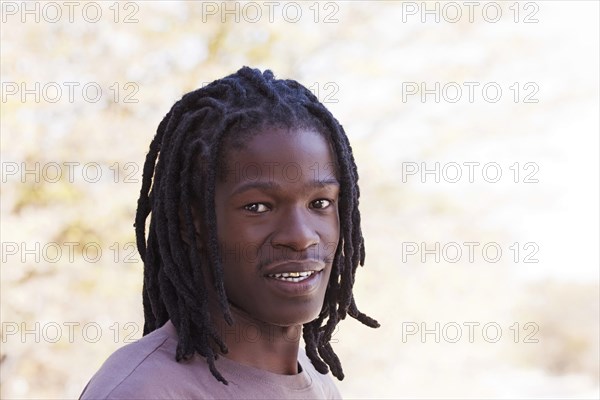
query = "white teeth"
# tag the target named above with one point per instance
(292, 276)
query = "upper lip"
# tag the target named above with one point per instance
(293, 266)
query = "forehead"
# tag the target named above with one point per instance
(290, 154)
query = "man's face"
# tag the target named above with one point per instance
(278, 225)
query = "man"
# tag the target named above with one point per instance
(253, 242)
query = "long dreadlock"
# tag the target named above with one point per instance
(191, 141)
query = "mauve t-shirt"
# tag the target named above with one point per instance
(147, 369)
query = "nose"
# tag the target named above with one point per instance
(295, 230)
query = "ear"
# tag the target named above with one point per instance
(198, 236)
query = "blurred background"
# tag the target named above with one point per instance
(475, 131)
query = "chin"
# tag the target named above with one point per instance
(299, 318)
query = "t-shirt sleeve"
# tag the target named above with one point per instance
(331, 388)
(119, 377)
(326, 382)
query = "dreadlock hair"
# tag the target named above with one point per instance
(191, 141)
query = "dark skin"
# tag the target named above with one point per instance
(278, 229)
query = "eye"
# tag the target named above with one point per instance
(321, 203)
(257, 208)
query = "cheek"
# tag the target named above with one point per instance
(239, 245)
(331, 228)
(329, 233)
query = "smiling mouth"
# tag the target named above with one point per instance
(292, 276)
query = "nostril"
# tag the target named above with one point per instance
(295, 246)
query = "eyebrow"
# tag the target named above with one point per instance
(273, 187)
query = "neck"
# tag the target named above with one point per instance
(259, 344)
